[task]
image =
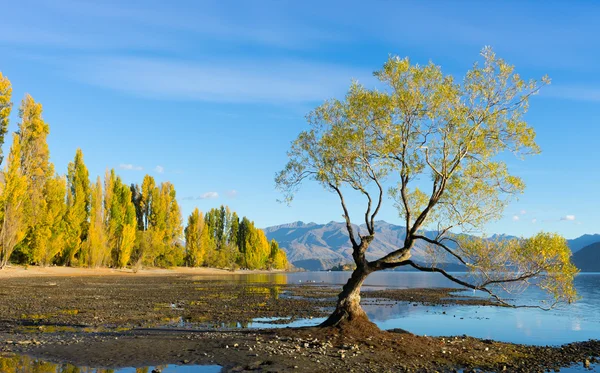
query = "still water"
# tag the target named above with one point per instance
(568, 323)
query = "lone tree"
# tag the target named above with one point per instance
(440, 143)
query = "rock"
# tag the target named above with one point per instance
(586, 364)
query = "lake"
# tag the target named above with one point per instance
(567, 323)
(576, 322)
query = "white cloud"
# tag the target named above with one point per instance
(209, 195)
(568, 218)
(534, 221)
(159, 169)
(129, 166)
(261, 80)
(523, 212)
(231, 193)
(577, 93)
(516, 218)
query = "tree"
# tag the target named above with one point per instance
(148, 186)
(5, 109)
(120, 220)
(78, 207)
(95, 248)
(37, 169)
(195, 250)
(12, 201)
(165, 225)
(277, 257)
(441, 140)
(52, 230)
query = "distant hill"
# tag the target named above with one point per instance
(588, 258)
(583, 241)
(322, 246)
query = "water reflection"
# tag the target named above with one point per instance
(576, 322)
(26, 364)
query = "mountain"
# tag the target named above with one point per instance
(583, 241)
(588, 258)
(321, 246)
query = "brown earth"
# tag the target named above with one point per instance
(188, 318)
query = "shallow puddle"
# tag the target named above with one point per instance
(26, 364)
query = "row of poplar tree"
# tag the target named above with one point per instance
(47, 218)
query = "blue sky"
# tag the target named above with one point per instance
(209, 95)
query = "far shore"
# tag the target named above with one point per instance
(59, 271)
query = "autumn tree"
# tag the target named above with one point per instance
(37, 169)
(78, 207)
(165, 226)
(95, 251)
(193, 231)
(440, 143)
(120, 220)
(12, 200)
(52, 230)
(5, 109)
(277, 257)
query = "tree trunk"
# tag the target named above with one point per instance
(348, 307)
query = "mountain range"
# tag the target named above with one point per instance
(314, 246)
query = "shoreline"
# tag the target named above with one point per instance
(110, 321)
(60, 271)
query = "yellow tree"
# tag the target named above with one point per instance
(165, 226)
(36, 167)
(120, 220)
(12, 201)
(95, 248)
(51, 232)
(426, 126)
(277, 257)
(5, 109)
(78, 207)
(194, 234)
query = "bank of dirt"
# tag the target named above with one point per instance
(183, 318)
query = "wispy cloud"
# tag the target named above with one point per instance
(231, 193)
(260, 80)
(523, 212)
(516, 218)
(159, 169)
(209, 195)
(568, 218)
(130, 167)
(534, 220)
(576, 93)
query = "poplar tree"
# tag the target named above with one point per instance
(194, 250)
(5, 109)
(121, 221)
(52, 230)
(78, 207)
(95, 247)
(13, 195)
(148, 187)
(36, 168)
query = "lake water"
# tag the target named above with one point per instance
(569, 323)
(576, 322)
